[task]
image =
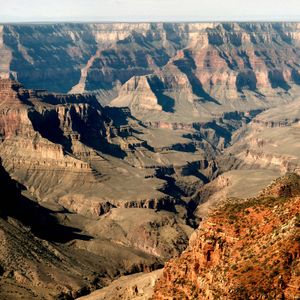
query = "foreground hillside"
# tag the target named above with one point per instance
(247, 249)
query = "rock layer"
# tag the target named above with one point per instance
(248, 249)
(192, 92)
(158, 67)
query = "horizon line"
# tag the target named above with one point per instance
(292, 20)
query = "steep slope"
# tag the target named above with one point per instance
(32, 263)
(247, 249)
(246, 63)
(226, 67)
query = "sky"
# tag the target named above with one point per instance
(148, 10)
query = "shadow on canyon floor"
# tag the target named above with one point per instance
(42, 221)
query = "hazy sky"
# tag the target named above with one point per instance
(148, 10)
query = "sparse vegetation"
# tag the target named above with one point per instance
(252, 260)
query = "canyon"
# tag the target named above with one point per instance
(124, 146)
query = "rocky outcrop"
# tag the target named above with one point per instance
(231, 257)
(23, 143)
(133, 287)
(139, 89)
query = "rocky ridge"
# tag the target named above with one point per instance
(245, 249)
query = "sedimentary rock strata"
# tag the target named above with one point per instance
(145, 130)
(160, 67)
(246, 249)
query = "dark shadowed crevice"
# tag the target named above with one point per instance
(157, 87)
(296, 76)
(246, 80)
(187, 66)
(277, 80)
(48, 125)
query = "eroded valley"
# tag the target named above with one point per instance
(119, 140)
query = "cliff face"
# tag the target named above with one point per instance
(25, 138)
(224, 66)
(106, 49)
(38, 52)
(245, 249)
(184, 64)
(51, 134)
(239, 56)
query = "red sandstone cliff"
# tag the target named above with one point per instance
(246, 250)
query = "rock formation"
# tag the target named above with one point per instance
(245, 249)
(175, 68)
(32, 264)
(133, 287)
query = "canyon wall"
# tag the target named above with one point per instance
(198, 64)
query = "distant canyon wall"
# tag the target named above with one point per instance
(214, 60)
